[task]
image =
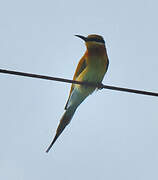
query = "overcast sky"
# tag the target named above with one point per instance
(113, 135)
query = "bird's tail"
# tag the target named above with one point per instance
(65, 120)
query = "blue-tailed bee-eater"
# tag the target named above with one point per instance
(91, 68)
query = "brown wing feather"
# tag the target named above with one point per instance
(80, 67)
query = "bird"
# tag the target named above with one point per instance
(91, 68)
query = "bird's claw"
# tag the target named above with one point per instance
(100, 86)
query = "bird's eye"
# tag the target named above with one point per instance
(96, 40)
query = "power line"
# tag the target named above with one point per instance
(100, 86)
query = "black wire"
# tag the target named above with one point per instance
(100, 86)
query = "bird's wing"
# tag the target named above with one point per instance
(80, 67)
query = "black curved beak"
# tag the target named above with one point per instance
(82, 37)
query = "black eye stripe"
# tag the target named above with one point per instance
(96, 40)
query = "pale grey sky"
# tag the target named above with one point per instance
(113, 135)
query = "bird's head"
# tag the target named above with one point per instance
(93, 41)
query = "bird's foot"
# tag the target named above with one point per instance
(100, 86)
